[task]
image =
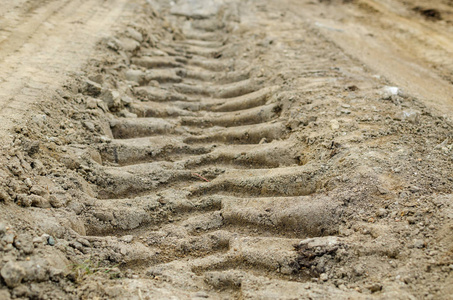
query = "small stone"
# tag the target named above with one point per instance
(96, 78)
(334, 124)
(51, 241)
(92, 88)
(389, 91)
(9, 238)
(419, 244)
(129, 44)
(111, 98)
(375, 288)
(28, 182)
(126, 100)
(24, 242)
(56, 202)
(92, 103)
(89, 125)
(358, 270)
(127, 238)
(133, 33)
(381, 213)
(39, 119)
(23, 200)
(136, 76)
(323, 277)
(411, 220)
(411, 116)
(12, 274)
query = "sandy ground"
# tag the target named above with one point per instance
(226, 149)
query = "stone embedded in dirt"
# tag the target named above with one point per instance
(51, 241)
(24, 242)
(375, 287)
(111, 98)
(334, 124)
(98, 78)
(128, 44)
(127, 238)
(91, 88)
(388, 91)
(137, 76)
(133, 33)
(39, 119)
(89, 125)
(419, 244)
(12, 273)
(381, 213)
(23, 200)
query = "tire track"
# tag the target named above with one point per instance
(206, 167)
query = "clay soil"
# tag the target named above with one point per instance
(199, 149)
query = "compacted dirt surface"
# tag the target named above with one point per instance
(199, 149)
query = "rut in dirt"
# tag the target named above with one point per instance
(206, 168)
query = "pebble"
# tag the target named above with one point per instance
(127, 238)
(126, 100)
(39, 119)
(9, 238)
(419, 244)
(89, 125)
(92, 88)
(375, 287)
(111, 98)
(323, 277)
(382, 212)
(334, 124)
(24, 242)
(51, 241)
(133, 33)
(12, 274)
(23, 200)
(28, 182)
(358, 270)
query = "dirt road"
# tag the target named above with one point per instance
(42, 43)
(226, 150)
